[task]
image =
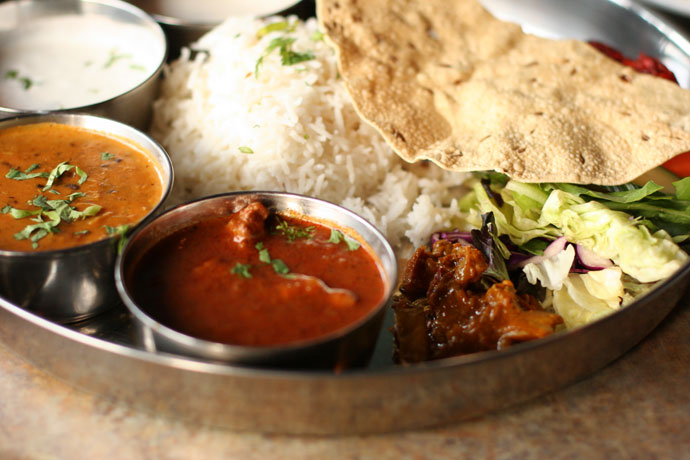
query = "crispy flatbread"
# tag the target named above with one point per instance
(444, 80)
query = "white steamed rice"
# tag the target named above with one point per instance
(301, 127)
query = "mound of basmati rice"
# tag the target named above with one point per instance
(232, 116)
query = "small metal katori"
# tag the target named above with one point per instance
(104, 357)
(184, 22)
(75, 283)
(134, 105)
(349, 346)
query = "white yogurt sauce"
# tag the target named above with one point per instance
(69, 61)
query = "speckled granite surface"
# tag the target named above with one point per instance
(637, 407)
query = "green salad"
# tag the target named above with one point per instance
(587, 250)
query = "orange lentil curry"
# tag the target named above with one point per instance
(63, 186)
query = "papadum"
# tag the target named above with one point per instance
(446, 81)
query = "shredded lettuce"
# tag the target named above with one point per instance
(615, 235)
(578, 297)
(586, 297)
(552, 271)
(639, 241)
(511, 220)
(644, 231)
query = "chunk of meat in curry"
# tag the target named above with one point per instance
(247, 225)
(443, 311)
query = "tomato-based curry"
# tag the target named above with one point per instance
(257, 279)
(64, 186)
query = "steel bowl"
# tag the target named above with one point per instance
(76, 283)
(347, 347)
(184, 22)
(134, 105)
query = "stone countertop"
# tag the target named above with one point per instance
(637, 407)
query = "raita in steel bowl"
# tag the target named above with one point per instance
(102, 57)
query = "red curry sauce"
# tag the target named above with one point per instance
(217, 280)
(121, 179)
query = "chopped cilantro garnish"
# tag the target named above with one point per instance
(280, 267)
(55, 211)
(63, 208)
(82, 232)
(75, 195)
(14, 75)
(27, 174)
(351, 243)
(20, 213)
(292, 232)
(241, 270)
(35, 232)
(62, 168)
(287, 55)
(50, 213)
(113, 57)
(256, 67)
(317, 36)
(118, 233)
(107, 156)
(264, 256)
(82, 175)
(92, 210)
(274, 27)
(337, 236)
(292, 58)
(26, 82)
(280, 42)
(245, 150)
(40, 201)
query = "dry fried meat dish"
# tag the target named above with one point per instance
(444, 311)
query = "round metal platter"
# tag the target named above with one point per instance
(681, 7)
(102, 355)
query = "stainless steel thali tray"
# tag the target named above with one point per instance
(102, 355)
